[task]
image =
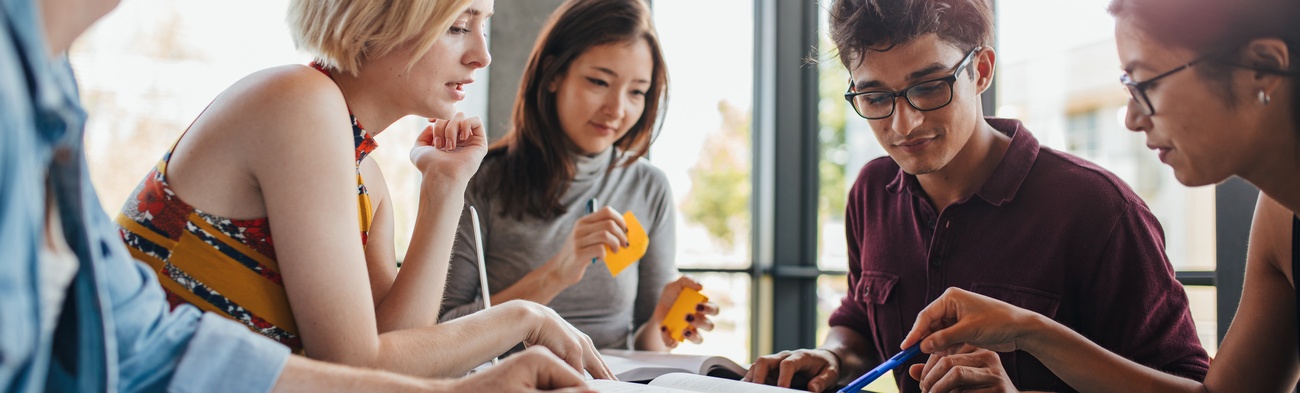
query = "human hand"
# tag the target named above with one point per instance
(820, 366)
(970, 369)
(699, 320)
(549, 330)
(451, 148)
(590, 236)
(960, 317)
(533, 370)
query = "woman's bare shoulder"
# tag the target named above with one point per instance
(1270, 234)
(283, 93)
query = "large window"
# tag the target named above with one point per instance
(704, 148)
(1065, 88)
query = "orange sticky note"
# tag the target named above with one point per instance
(675, 321)
(637, 241)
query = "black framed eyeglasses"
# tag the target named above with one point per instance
(924, 96)
(1138, 90)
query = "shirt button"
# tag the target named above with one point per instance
(935, 261)
(929, 223)
(63, 155)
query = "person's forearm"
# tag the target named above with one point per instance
(648, 337)
(453, 348)
(305, 375)
(851, 349)
(540, 286)
(415, 296)
(1088, 367)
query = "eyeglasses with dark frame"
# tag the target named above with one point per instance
(1138, 90)
(924, 96)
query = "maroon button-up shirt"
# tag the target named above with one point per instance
(1048, 232)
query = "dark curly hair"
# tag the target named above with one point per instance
(858, 27)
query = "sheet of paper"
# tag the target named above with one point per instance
(638, 243)
(675, 321)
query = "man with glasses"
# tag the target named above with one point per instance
(976, 203)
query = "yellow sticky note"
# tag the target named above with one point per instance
(675, 321)
(637, 241)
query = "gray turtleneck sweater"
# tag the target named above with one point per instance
(607, 308)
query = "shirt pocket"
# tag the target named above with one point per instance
(874, 292)
(1041, 302)
(1026, 372)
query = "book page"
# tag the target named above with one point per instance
(697, 364)
(632, 370)
(698, 383)
(608, 386)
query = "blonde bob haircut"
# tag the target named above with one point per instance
(341, 34)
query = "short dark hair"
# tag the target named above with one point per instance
(1211, 27)
(537, 165)
(862, 26)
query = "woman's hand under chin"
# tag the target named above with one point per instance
(450, 150)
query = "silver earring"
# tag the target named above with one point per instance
(1264, 98)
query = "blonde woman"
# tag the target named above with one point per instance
(284, 152)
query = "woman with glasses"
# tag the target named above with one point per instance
(1214, 89)
(551, 194)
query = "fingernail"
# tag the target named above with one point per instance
(699, 307)
(437, 142)
(690, 318)
(687, 333)
(663, 328)
(625, 244)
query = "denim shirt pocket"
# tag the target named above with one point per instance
(873, 291)
(1025, 371)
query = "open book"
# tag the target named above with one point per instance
(643, 366)
(682, 383)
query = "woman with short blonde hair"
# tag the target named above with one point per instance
(284, 151)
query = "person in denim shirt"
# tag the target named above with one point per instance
(99, 322)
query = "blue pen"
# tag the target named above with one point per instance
(883, 368)
(591, 208)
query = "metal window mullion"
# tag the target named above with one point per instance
(1234, 207)
(785, 171)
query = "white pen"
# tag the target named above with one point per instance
(482, 264)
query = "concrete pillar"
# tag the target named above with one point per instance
(514, 28)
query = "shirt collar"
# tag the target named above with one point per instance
(1005, 181)
(59, 116)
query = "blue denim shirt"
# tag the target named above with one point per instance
(115, 332)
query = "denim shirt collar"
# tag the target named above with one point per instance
(80, 343)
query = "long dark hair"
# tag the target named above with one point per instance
(536, 165)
